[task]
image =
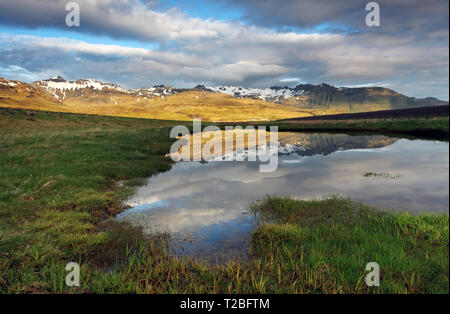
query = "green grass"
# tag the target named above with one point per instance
(330, 241)
(58, 192)
(58, 175)
(435, 128)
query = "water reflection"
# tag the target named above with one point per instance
(209, 201)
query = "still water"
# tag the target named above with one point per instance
(208, 202)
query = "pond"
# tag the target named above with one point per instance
(208, 203)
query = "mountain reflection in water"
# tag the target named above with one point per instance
(208, 201)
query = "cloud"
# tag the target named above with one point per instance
(193, 50)
(118, 19)
(412, 16)
(290, 80)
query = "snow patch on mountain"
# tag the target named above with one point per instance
(58, 83)
(12, 84)
(155, 91)
(268, 94)
(7, 82)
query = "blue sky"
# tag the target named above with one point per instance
(252, 43)
(204, 9)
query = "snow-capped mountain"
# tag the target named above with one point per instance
(325, 97)
(268, 94)
(328, 97)
(59, 83)
(59, 88)
(158, 102)
(20, 94)
(275, 93)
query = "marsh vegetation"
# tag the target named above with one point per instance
(59, 193)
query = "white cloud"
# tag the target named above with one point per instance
(121, 19)
(194, 50)
(290, 80)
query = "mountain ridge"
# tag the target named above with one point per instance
(159, 102)
(210, 103)
(329, 97)
(306, 95)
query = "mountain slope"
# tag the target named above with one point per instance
(327, 97)
(159, 102)
(17, 94)
(209, 103)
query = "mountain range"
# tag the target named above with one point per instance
(219, 103)
(91, 96)
(328, 97)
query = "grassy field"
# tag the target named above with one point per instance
(327, 242)
(59, 191)
(422, 127)
(58, 175)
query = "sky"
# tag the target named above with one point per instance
(251, 43)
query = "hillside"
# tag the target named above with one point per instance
(159, 102)
(16, 94)
(328, 97)
(221, 104)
